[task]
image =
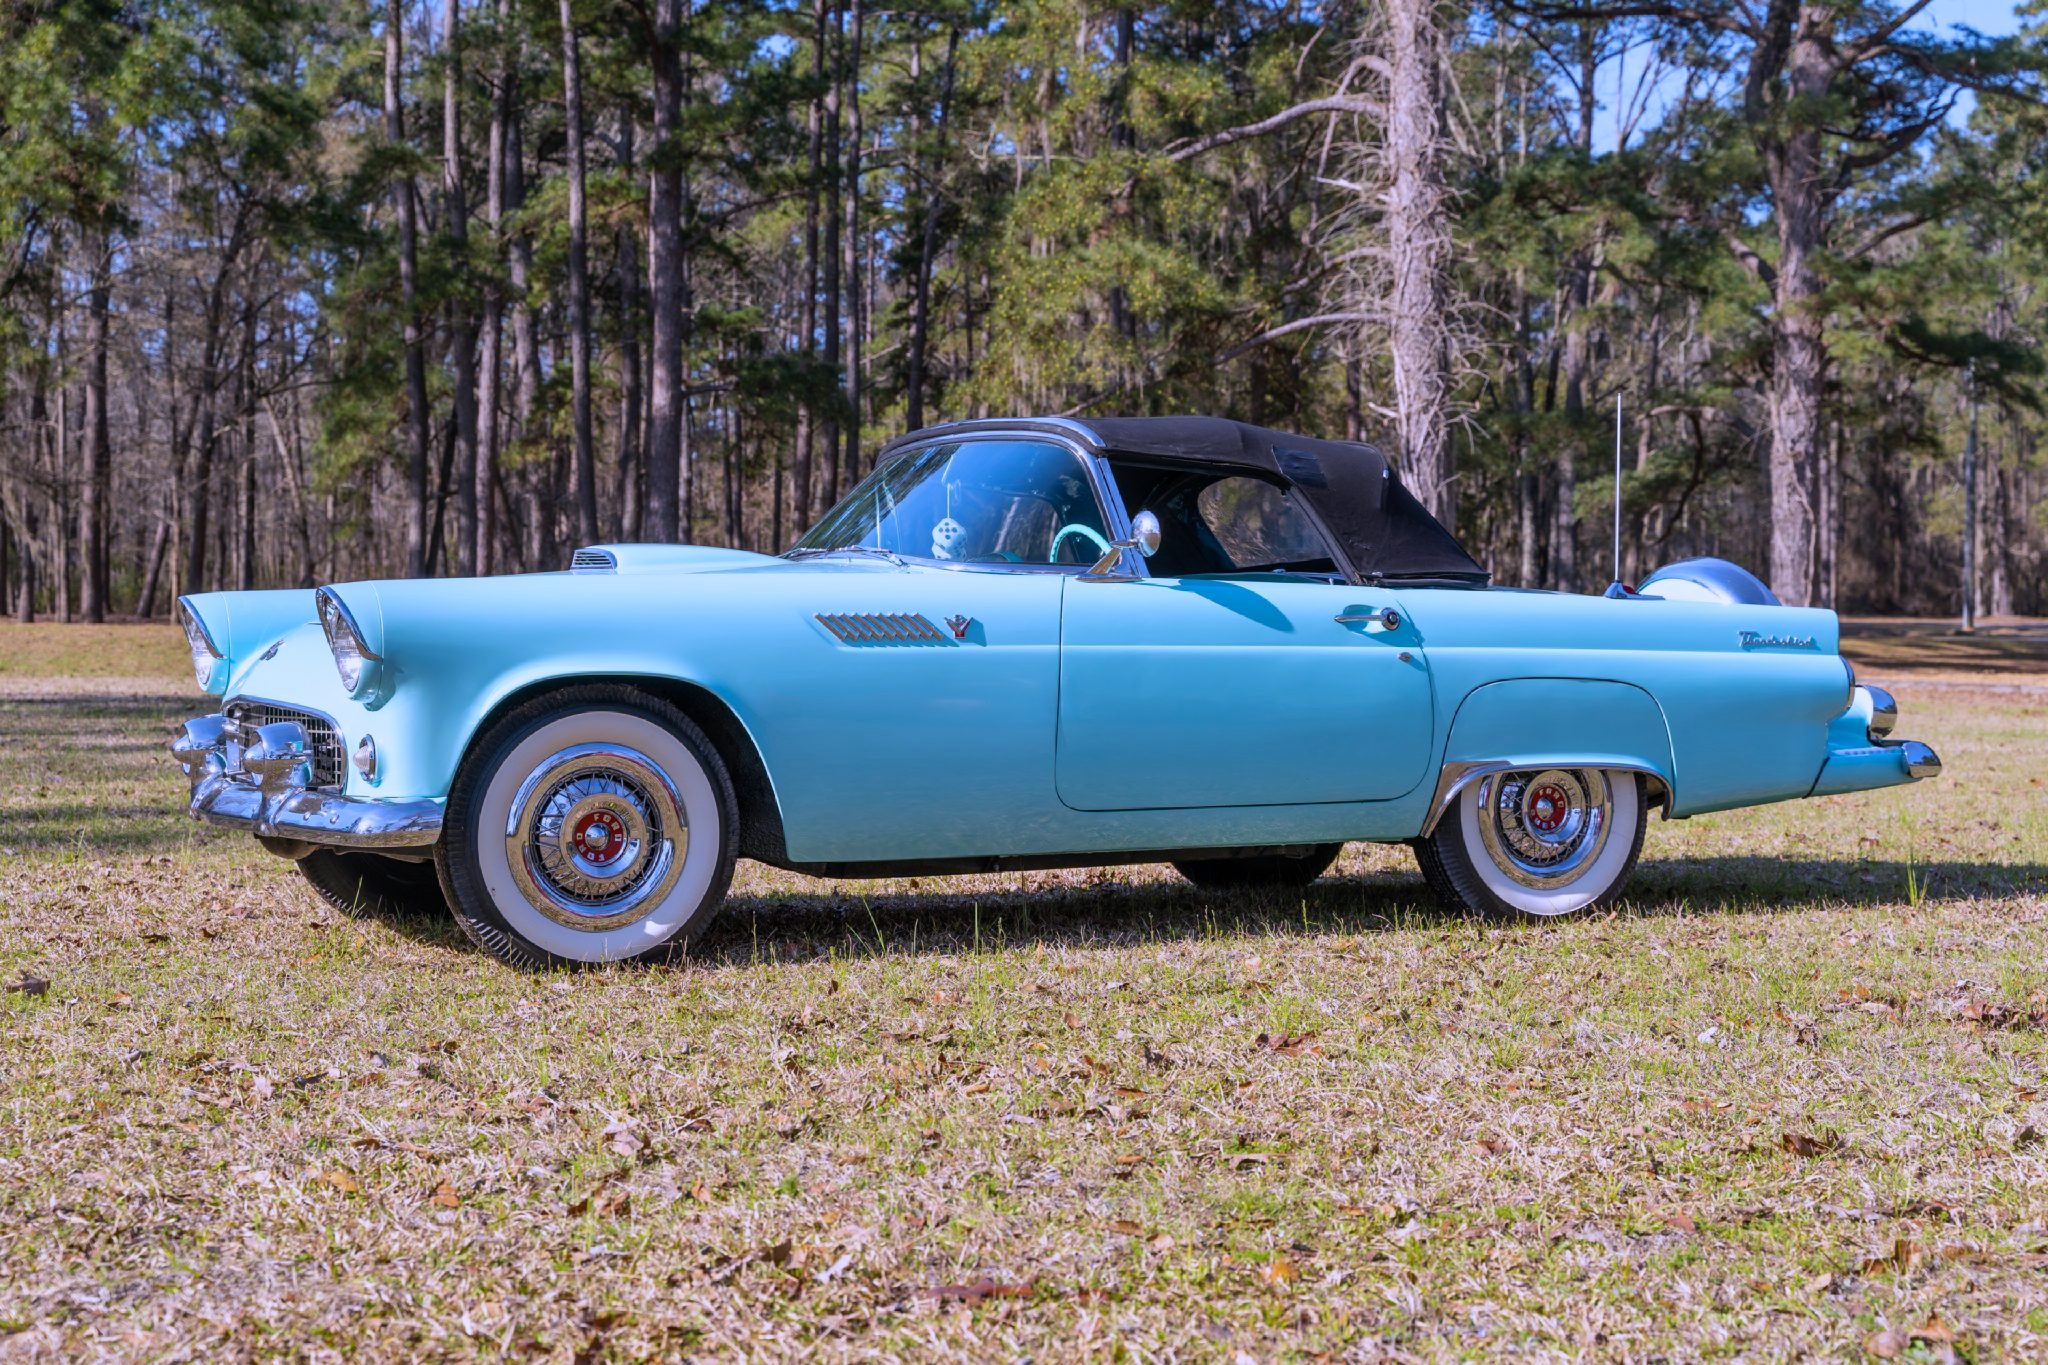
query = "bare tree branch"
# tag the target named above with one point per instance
(1330, 104)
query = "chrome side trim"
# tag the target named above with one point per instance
(1455, 777)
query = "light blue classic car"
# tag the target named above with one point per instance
(1017, 644)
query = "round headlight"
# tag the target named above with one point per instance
(352, 658)
(204, 655)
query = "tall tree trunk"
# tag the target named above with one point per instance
(526, 365)
(1577, 360)
(462, 331)
(582, 462)
(1419, 247)
(62, 527)
(851, 243)
(667, 288)
(408, 290)
(245, 441)
(94, 473)
(802, 498)
(1798, 378)
(491, 334)
(829, 290)
(1801, 194)
(921, 296)
(631, 394)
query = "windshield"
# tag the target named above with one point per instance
(973, 502)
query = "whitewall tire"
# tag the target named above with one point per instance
(1545, 842)
(596, 824)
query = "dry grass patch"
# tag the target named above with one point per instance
(1786, 1102)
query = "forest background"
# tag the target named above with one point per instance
(295, 291)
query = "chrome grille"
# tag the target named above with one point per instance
(593, 561)
(888, 628)
(328, 755)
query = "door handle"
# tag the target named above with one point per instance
(1386, 618)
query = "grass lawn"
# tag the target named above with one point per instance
(1788, 1101)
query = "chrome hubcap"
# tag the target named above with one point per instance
(596, 836)
(1544, 828)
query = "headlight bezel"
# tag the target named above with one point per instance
(206, 655)
(355, 662)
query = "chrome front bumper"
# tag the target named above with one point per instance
(257, 782)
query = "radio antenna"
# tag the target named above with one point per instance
(1617, 488)
(1617, 588)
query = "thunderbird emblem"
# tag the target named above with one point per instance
(958, 625)
(1755, 639)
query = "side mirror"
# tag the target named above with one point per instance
(1144, 538)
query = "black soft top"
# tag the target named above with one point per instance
(1380, 527)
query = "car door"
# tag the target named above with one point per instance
(1240, 689)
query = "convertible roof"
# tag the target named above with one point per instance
(1380, 526)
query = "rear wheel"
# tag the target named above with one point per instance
(1260, 871)
(370, 884)
(596, 824)
(1539, 842)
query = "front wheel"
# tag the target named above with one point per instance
(596, 824)
(1540, 842)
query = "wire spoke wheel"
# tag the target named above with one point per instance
(594, 824)
(1537, 841)
(1543, 828)
(596, 837)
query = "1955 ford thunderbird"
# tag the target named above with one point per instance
(1016, 644)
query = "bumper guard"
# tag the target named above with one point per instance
(258, 783)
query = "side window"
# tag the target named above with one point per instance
(1258, 526)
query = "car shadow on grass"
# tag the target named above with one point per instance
(1739, 884)
(941, 916)
(858, 919)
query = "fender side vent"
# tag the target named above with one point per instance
(890, 628)
(593, 561)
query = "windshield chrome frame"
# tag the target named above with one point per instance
(1100, 482)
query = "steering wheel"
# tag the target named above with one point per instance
(1075, 528)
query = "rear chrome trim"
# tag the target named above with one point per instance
(1884, 711)
(1921, 761)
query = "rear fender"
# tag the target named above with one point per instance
(1554, 723)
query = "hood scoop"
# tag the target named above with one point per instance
(627, 559)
